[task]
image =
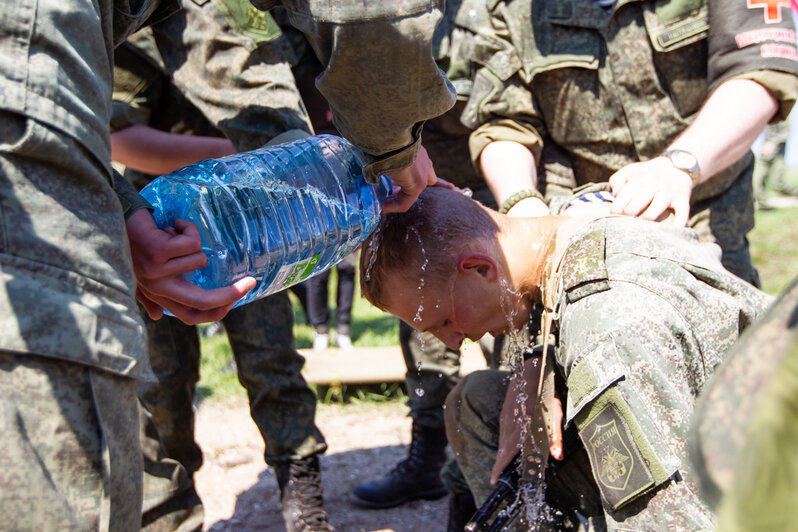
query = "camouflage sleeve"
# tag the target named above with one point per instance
(501, 106)
(504, 129)
(749, 39)
(130, 199)
(232, 62)
(380, 77)
(628, 395)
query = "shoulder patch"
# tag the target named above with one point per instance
(248, 20)
(618, 465)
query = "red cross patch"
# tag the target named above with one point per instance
(772, 8)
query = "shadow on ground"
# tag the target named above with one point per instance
(258, 508)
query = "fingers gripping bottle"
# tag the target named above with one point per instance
(279, 214)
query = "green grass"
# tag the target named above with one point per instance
(774, 247)
(218, 376)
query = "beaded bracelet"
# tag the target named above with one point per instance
(510, 202)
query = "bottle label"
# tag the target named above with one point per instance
(291, 274)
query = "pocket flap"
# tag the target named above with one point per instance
(593, 374)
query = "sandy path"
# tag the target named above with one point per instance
(365, 440)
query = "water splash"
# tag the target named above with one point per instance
(422, 341)
(530, 497)
(374, 244)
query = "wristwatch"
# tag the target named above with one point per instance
(684, 161)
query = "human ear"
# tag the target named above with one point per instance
(480, 263)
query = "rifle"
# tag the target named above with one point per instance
(502, 506)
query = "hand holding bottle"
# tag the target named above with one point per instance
(160, 257)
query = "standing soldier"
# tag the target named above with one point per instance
(661, 99)
(147, 105)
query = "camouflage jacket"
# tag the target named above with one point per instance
(613, 87)
(743, 435)
(385, 82)
(209, 70)
(232, 62)
(453, 42)
(645, 314)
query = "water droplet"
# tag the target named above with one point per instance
(420, 392)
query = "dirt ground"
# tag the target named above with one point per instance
(365, 440)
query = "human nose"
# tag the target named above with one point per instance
(452, 340)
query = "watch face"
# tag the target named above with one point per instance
(684, 160)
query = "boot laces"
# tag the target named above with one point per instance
(306, 484)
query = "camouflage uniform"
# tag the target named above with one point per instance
(745, 428)
(260, 333)
(644, 315)
(590, 90)
(770, 167)
(66, 299)
(72, 338)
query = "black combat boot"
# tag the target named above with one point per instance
(301, 496)
(415, 477)
(461, 509)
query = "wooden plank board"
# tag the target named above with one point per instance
(369, 365)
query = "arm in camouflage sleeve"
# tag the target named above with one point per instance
(507, 140)
(752, 67)
(128, 196)
(232, 62)
(380, 77)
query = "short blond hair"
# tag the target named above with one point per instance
(421, 243)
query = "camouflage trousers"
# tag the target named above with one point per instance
(472, 424)
(281, 404)
(71, 458)
(171, 502)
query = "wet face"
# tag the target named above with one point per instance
(468, 305)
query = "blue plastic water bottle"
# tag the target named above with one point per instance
(279, 214)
